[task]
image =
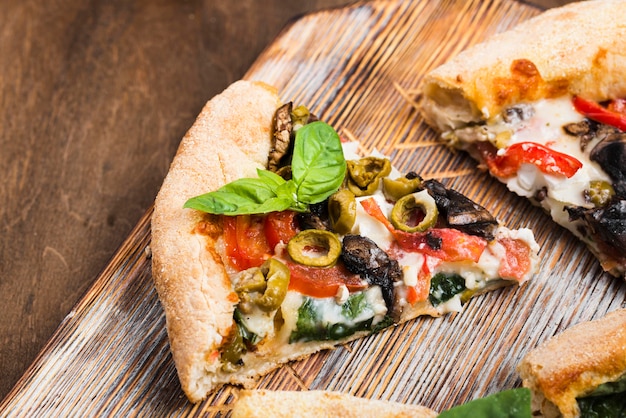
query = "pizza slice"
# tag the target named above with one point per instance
(582, 371)
(542, 107)
(272, 239)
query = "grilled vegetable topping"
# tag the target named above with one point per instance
(315, 248)
(462, 213)
(599, 193)
(342, 211)
(398, 188)
(364, 175)
(361, 255)
(610, 153)
(265, 288)
(409, 209)
(281, 137)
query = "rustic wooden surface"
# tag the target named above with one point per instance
(94, 99)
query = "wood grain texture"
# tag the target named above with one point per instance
(94, 98)
(356, 68)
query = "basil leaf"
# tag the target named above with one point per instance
(513, 403)
(247, 196)
(318, 166)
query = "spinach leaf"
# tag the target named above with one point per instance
(513, 403)
(318, 169)
(312, 326)
(318, 166)
(444, 286)
(354, 305)
(605, 406)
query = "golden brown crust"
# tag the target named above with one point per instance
(276, 404)
(229, 139)
(579, 48)
(576, 361)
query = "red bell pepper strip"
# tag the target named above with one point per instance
(546, 159)
(595, 111)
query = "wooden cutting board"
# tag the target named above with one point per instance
(358, 68)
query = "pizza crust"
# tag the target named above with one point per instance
(230, 139)
(577, 49)
(574, 363)
(277, 404)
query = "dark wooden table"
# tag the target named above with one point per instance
(94, 98)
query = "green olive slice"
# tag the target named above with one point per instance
(405, 210)
(315, 248)
(600, 192)
(277, 276)
(364, 175)
(394, 189)
(342, 211)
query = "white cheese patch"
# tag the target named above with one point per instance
(368, 226)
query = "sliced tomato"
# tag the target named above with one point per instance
(517, 262)
(613, 115)
(246, 245)
(323, 282)
(280, 227)
(444, 243)
(549, 161)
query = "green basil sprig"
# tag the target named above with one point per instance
(318, 168)
(512, 403)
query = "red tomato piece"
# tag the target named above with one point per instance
(517, 262)
(246, 245)
(444, 243)
(280, 227)
(323, 282)
(546, 159)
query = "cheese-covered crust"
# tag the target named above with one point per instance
(575, 362)
(276, 404)
(230, 138)
(579, 49)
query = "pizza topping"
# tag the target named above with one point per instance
(317, 167)
(364, 175)
(323, 282)
(444, 286)
(315, 248)
(610, 115)
(342, 211)
(324, 320)
(610, 153)
(415, 212)
(599, 193)
(265, 288)
(281, 137)
(461, 212)
(506, 163)
(362, 256)
(394, 189)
